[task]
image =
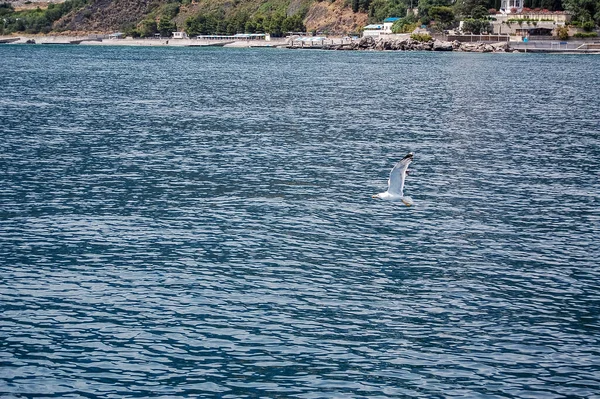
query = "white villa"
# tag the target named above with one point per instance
(377, 30)
(508, 6)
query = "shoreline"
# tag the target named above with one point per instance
(330, 43)
(97, 40)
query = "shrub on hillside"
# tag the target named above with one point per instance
(479, 12)
(421, 37)
(406, 24)
(562, 32)
(477, 26)
(147, 28)
(588, 26)
(443, 16)
(6, 8)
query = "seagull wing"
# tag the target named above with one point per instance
(398, 174)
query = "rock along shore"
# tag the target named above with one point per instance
(408, 44)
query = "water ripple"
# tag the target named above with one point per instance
(210, 232)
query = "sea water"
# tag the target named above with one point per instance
(187, 222)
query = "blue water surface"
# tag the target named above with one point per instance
(184, 222)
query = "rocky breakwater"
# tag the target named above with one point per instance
(408, 44)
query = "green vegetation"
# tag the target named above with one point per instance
(443, 17)
(585, 35)
(563, 32)
(276, 25)
(588, 26)
(36, 20)
(421, 37)
(476, 9)
(6, 9)
(426, 7)
(406, 24)
(147, 28)
(475, 15)
(159, 20)
(382, 9)
(360, 5)
(477, 26)
(480, 12)
(584, 11)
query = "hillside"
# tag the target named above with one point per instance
(334, 17)
(147, 18)
(144, 17)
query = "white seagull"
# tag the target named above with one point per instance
(395, 191)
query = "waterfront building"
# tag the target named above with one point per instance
(530, 23)
(372, 30)
(387, 24)
(377, 30)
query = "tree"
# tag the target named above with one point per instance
(443, 16)
(7, 8)
(406, 24)
(201, 24)
(382, 9)
(148, 28)
(259, 22)
(237, 23)
(273, 25)
(129, 29)
(250, 27)
(480, 12)
(192, 26)
(166, 27)
(169, 11)
(363, 5)
(426, 5)
(293, 24)
(378, 10)
(20, 25)
(562, 32)
(584, 10)
(476, 26)
(465, 8)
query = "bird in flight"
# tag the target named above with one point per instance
(395, 191)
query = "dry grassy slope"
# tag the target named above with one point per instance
(112, 15)
(107, 15)
(334, 18)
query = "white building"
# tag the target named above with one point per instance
(530, 23)
(508, 6)
(180, 35)
(381, 29)
(387, 25)
(373, 30)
